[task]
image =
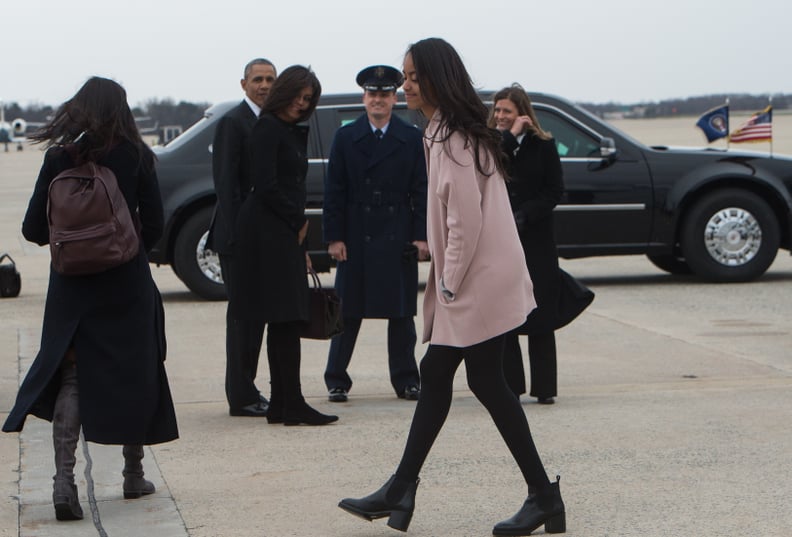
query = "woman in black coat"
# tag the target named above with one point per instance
(100, 364)
(535, 188)
(270, 271)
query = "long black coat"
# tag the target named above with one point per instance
(269, 270)
(114, 320)
(375, 201)
(231, 173)
(535, 188)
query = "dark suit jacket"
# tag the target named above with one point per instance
(375, 201)
(231, 170)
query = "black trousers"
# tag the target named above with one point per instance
(542, 362)
(243, 346)
(483, 363)
(284, 357)
(401, 354)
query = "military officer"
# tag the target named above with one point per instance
(375, 227)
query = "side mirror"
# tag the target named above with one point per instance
(608, 149)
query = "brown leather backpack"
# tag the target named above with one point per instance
(90, 226)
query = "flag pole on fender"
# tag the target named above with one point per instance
(758, 128)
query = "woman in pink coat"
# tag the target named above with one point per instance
(478, 290)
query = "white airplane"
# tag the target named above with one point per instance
(13, 132)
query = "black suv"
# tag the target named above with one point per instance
(719, 214)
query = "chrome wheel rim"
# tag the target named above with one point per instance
(208, 261)
(733, 236)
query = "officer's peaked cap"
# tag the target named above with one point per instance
(380, 78)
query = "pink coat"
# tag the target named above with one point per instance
(474, 246)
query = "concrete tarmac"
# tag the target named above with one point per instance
(673, 418)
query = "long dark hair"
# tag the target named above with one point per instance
(522, 102)
(99, 117)
(446, 84)
(288, 86)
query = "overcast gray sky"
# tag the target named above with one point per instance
(586, 50)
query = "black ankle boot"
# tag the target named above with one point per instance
(302, 412)
(540, 508)
(398, 505)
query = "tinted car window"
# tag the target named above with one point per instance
(571, 141)
(411, 117)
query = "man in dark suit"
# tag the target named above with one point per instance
(375, 225)
(230, 168)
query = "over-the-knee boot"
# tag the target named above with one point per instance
(134, 484)
(65, 435)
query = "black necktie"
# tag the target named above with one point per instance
(378, 133)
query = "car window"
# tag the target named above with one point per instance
(349, 115)
(571, 141)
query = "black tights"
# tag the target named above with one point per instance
(484, 365)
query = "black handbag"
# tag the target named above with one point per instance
(10, 281)
(324, 310)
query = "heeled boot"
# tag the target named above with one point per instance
(297, 412)
(541, 507)
(134, 484)
(395, 500)
(65, 435)
(283, 345)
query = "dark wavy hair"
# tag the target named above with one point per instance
(99, 117)
(288, 86)
(446, 84)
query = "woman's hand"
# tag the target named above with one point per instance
(521, 125)
(302, 233)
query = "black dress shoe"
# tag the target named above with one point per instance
(411, 393)
(547, 508)
(337, 395)
(253, 410)
(275, 415)
(398, 505)
(263, 400)
(545, 400)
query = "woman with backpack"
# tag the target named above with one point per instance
(100, 363)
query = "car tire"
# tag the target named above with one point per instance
(670, 263)
(196, 266)
(730, 235)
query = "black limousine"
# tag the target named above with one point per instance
(719, 214)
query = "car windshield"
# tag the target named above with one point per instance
(211, 114)
(186, 135)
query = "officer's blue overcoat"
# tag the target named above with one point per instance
(375, 201)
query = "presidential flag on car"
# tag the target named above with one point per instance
(759, 128)
(715, 123)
